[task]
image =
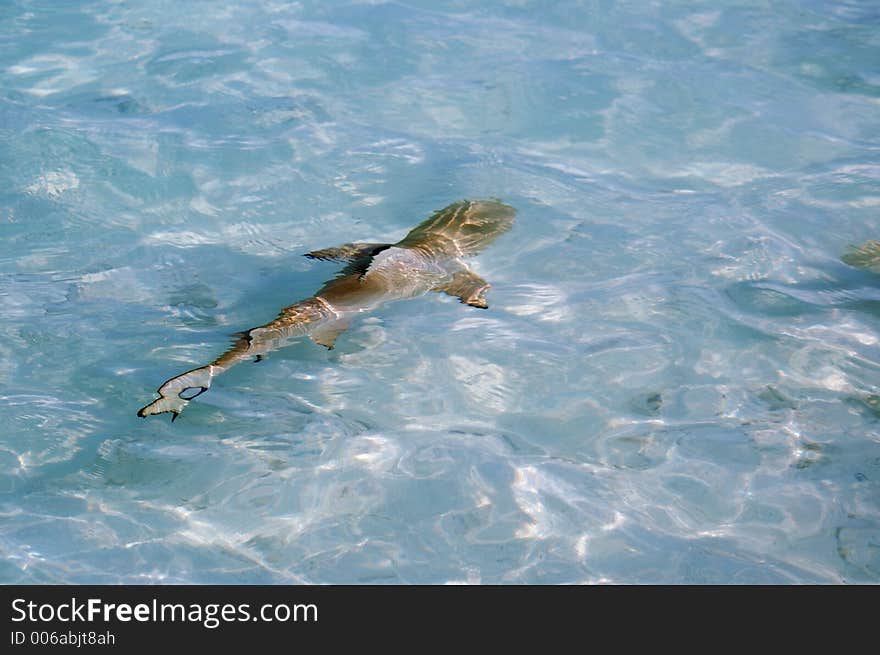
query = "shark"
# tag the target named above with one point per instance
(430, 258)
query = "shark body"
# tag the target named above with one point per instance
(429, 258)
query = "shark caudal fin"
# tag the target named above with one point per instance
(463, 228)
(178, 391)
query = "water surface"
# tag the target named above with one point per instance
(677, 381)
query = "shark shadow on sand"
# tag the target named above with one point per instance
(429, 258)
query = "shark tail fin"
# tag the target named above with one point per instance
(176, 393)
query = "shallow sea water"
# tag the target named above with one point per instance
(677, 381)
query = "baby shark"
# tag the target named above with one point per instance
(429, 258)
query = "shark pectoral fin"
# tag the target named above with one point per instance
(468, 287)
(326, 335)
(348, 252)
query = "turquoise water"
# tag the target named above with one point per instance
(676, 381)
